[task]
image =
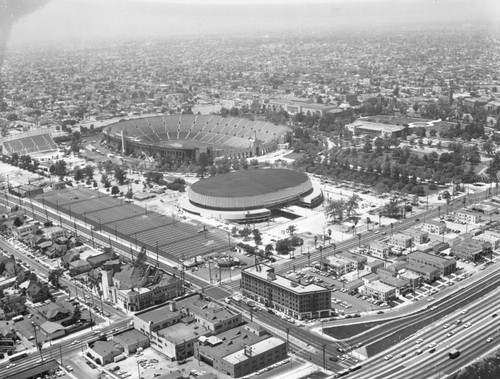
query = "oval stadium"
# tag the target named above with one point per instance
(251, 195)
(186, 136)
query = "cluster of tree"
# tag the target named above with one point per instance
(286, 245)
(340, 210)
(85, 173)
(24, 162)
(472, 130)
(397, 171)
(109, 168)
(178, 184)
(58, 168)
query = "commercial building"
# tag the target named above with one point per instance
(134, 288)
(173, 328)
(261, 283)
(434, 227)
(241, 351)
(104, 352)
(131, 341)
(446, 266)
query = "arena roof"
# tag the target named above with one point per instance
(249, 182)
(252, 189)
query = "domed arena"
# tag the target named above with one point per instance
(251, 195)
(186, 136)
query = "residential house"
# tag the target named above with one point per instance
(36, 291)
(62, 312)
(78, 267)
(8, 338)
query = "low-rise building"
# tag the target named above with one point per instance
(25, 229)
(467, 216)
(134, 288)
(379, 249)
(429, 274)
(173, 328)
(467, 248)
(104, 352)
(434, 227)
(338, 265)
(400, 240)
(54, 232)
(378, 290)
(446, 266)
(417, 236)
(131, 340)
(241, 351)
(261, 283)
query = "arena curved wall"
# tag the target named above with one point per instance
(243, 191)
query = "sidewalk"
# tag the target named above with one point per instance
(299, 372)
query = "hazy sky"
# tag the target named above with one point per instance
(82, 20)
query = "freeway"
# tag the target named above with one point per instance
(61, 348)
(403, 360)
(218, 292)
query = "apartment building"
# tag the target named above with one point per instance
(446, 266)
(261, 283)
(434, 227)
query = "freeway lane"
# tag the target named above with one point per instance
(471, 342)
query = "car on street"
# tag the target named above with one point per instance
(450, 334)
(467, 325)
(388, 356)
(446, 326)
(432, 344)
(489, 340)
(420, 340)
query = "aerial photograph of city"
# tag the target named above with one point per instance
(251, 189)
